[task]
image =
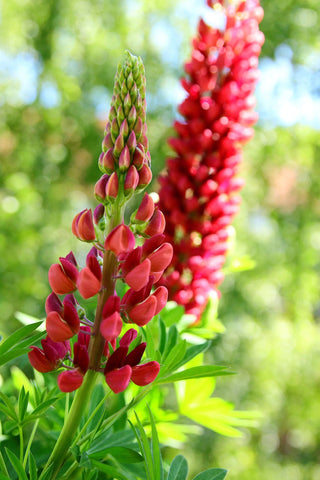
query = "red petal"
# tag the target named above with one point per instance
(139, 275)
(111, 327)
(53, 304)
(88, 285)
(142, 313)
(161, 295)
(128, 337)
(135, 356)
(120, 240)
(75, 223)
(57, 329)
(70, 380)
(119, 379)
(144, 374)
(39, 361)
(58, 280)
(161, 258)
(85, 226)
(69, 268)
(112, 305)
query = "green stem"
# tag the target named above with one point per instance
(21, 442)
(30, 442)
(70, 426)
(90, 418)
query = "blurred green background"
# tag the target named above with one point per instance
(57, 63)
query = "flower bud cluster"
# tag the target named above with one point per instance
(125, 159)
(73, 341)
(198, 195)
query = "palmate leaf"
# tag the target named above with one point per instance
(178, 468)
(212, 474)
(196, 403)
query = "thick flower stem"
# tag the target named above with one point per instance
(70, 426)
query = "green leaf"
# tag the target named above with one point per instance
(108, 469)
(23, 403)
(174, 357)
(124, 454)
(17, 336)
(155, 446)
(172, 313)
(178, 468)
(150, 351)
(43, 407)
(32, 467)
(212, 474)
(8, 407)
(171, 341)
(163, 335)
(194, 372)
(3, 477)
(108, 439)
(145, 448)
(17, 465)
(192, 352)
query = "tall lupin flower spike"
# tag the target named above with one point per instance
(114, 257)
(198, 194)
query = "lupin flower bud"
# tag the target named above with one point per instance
(126, 126)
(146, 209)
(112, 187)
(82, 226)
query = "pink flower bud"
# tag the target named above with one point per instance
(146, 209)
(100, 188)
(118, 145)
(138, 128)
(120, 240)
(157, 224)
(145, 177)
(132, 142)
(144, 374)
(138, 277)
(132, 116)
(112, 187)
(131, 180)
(119, 379)
(139, 157)
(124, 159)
(143, 312)
(82, 226)
(98, 213)
(70, 380)
(107, 142)
(108, 162)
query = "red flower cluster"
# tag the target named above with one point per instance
(198, 195)
(114, 257)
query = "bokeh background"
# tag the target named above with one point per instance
(57, 63)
